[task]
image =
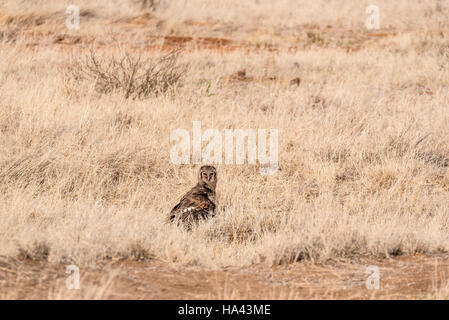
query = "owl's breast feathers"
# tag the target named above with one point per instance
(197, 204)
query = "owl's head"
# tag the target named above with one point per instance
(208, 176)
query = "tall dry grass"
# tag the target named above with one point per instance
(363, 145)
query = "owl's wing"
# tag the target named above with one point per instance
(192, 207)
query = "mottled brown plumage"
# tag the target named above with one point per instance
(199, 203)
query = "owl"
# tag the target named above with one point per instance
(199, 203)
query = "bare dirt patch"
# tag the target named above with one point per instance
(407, 277)
(148, 32)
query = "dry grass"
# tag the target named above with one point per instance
(363, 148)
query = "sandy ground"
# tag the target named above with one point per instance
(417, 277)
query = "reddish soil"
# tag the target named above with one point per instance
(146, 32)
(412, 277)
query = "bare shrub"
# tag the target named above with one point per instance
(38, 252)
(134, 76)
